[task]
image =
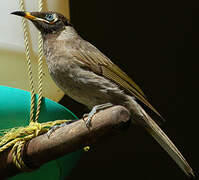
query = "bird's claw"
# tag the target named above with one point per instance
(88, 122)
(93, 112)
(53, 128)
(85, 116)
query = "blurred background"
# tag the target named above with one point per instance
(155, 43)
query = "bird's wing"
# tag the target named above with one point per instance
(100, 64)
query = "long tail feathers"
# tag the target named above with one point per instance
(166, 143)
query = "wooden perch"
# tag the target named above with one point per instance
(64, 140)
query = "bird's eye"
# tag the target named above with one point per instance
(49, 17)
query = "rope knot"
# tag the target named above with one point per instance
(36, 127)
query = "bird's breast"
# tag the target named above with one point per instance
(74, 79)
(82, 85)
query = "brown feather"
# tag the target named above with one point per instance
(95, 60)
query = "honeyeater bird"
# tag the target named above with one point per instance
(88, 76)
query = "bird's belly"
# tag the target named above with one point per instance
(86, 87)
(85, 95)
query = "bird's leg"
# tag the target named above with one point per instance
(94, 111)
(53, 128)
(88, 121)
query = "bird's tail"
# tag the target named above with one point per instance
(153, 129)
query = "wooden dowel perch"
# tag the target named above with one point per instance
(64, 140)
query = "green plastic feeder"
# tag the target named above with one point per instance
(14, 112)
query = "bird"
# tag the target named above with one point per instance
(89, 77)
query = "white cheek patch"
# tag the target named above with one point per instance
(42, 20)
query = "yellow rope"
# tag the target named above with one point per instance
(26, 133)
(17, 155)
(27, 50)
(34, 128)
(17, 137)
(40, 69)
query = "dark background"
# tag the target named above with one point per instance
(157, 44)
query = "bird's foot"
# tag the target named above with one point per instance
(94, 110)
(54, 128)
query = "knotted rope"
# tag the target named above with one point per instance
(17, 137)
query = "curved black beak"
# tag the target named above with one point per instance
(19, 13)
(25, 14)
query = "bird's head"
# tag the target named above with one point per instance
(46, 22)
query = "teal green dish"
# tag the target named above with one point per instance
(14, 112)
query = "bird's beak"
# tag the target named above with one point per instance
(26, 15)
(29, 16)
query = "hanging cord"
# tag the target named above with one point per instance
(27, 51)
(17, 137)
(40, 68)
(18, 145)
